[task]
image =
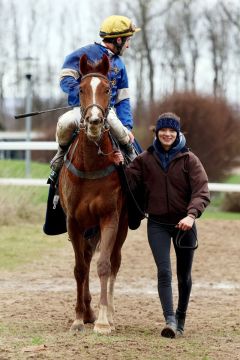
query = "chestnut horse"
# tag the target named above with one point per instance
(91, 195)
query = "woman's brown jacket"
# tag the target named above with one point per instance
(169, 196)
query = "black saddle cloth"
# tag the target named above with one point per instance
(55, 219)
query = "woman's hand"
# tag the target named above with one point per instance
(186, 223)
(118, 158)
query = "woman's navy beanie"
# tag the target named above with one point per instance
(168, 120)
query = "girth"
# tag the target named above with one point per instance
(90, 175)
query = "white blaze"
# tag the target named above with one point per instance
(94, 84)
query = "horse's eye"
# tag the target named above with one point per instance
(107, 91)
(80, 90)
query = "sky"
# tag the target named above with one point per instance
(84, 29)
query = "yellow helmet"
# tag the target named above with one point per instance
(117, 26)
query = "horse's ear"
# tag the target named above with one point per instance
(103, 66)
(85, 67)
(106, 64)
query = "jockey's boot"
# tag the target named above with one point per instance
(180, 319)
(130, 151)
(170, 329)
(57, 163)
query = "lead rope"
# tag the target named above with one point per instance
(180, 234)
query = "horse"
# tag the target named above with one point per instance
(91, 195)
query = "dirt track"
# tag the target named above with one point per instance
(37, 302)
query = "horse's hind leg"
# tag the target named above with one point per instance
(80, 272)
(115, 265)
(108, 237)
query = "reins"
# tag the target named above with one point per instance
(98, 144)
(180, 234)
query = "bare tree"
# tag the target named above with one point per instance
(233, 16)
(181, 45)
(3, 46)
(191, 21)
(146, 44)
(217, 32)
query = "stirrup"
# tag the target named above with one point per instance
(53, 177)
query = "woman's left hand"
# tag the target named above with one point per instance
(118, 158)
(186, 223)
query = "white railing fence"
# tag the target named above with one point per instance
(51, 145)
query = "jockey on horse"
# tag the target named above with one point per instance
(116, 32)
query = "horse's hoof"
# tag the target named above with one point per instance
(103, 329)
(77, 326)
(89, 318)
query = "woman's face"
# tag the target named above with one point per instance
(167, 137)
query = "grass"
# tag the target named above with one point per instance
(37, 340)
(233, 179)
(220, 215)
(16, 169)
(20, 245)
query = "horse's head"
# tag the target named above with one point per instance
(94, 95)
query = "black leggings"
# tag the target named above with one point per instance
(159, 237)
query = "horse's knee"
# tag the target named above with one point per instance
(103, 267)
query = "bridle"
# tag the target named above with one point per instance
(85, 110)
(92, 175)
(104, 113)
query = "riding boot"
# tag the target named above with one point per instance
(130, 151)
(57, 163)
(180, 319)
(170, 330)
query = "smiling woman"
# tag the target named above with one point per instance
(174, 185)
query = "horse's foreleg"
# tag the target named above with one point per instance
(80, 273)
(108, 237)
(78, 323)
(110, 309)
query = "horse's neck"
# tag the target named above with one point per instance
(87, 157)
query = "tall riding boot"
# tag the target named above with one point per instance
(170, 330)
(57, 163)
(180, 319)
(130, 151)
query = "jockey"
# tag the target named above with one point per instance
(115, 32)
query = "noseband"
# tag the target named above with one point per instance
(104, 111)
